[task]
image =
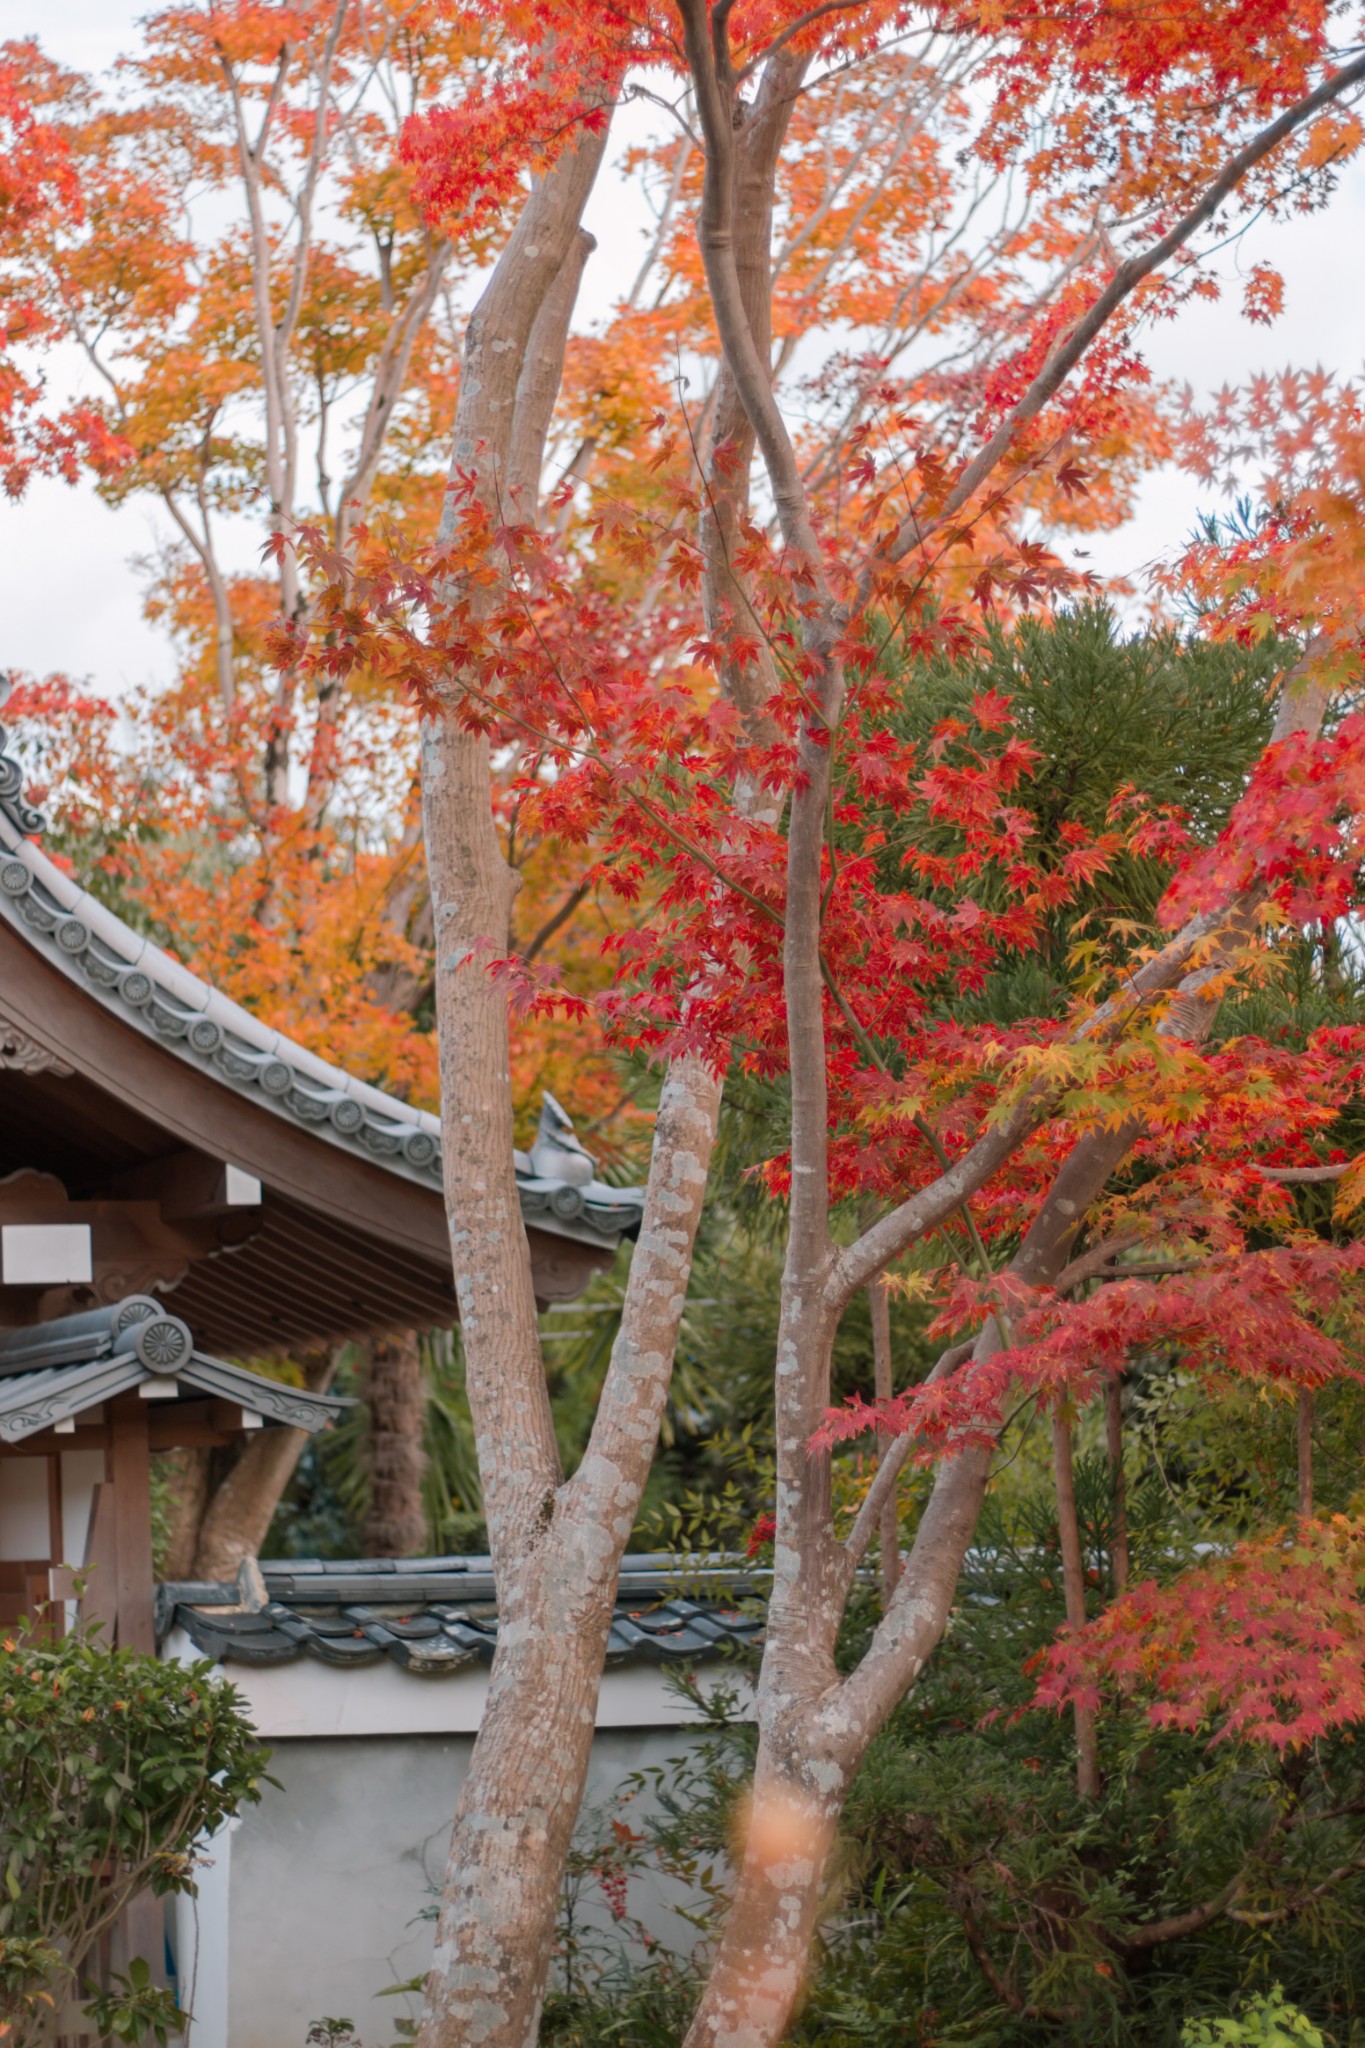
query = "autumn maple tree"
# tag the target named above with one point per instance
(267, 328)
(883, 354)
(774, 936)
(736, 800)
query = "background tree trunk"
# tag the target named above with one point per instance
(222, 1503)
(186, 1475)
(1073, 1584)
(395, 1396)
(1303, 1434)
(888, 1527)
(1113, 1438)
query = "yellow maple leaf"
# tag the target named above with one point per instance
(1350, 1191)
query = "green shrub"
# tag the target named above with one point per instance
(112, 1766)
(1266, 2022)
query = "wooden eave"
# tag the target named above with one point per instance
(117, 1066)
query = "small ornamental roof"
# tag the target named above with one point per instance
(52, 1372)
(437, 1615)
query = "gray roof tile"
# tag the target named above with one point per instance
(356, 1611)
(153, 993)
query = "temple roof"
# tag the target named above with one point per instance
(437, 1615)
(50, 1373)
(112, 1054)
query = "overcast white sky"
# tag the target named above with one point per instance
(72, 602)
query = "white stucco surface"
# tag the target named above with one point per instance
(308, 1698)
(331, 1881)
(23, 1509)
(321, 1898)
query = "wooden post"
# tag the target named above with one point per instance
(99, 1597)
(142, 1925)
(56, 1612)
(130, 1472)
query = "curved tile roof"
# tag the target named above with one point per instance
(433, 1616)
(52, 1372)
(153, 993)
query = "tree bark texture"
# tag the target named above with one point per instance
(223, 1502)
(395, 1398)
(556, 1546)
(186, 1477)
(243, 1504)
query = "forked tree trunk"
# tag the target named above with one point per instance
(814, 1727)
(556, 1545)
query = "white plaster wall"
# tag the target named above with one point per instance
(332, 1873)
(82, 1472)
(23, 1508)
(308, 1698)
(201, 1941)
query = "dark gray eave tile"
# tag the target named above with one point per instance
(432, 1616)
(35, 1398)
(150, 991)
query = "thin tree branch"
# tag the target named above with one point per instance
(1125, 280)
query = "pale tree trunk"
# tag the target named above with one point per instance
(395, 1401)
(244, 1503)
(220, 1518)
(538, 385)
(556, 1545)
(814, 1726)
(888, 1527)
(222, 1514)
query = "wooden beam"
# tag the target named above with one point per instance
(87, 1436)
(189, 1426)
(172, 1426)
(193, 1104)
(189, 1184)
(131, 1477)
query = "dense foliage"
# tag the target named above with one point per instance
(113, 1768)
(1052, 1035)
(976, 1901)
